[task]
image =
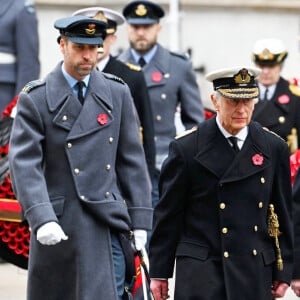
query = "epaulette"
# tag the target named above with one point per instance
(295, 89)
(186, 132)
(274, 133)
(32, 85)
(114, 77)
(134, 67)
(184, 56)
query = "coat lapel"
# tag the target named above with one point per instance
(216, 155)
(253, 157)
(69, 114)
(156, 72)
(96, 112)
(214, 151)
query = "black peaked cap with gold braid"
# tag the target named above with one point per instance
(236, 82)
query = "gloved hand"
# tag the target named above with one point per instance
(50, 234)
(140, 238)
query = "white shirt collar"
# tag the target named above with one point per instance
(102, 63)
(241, 136)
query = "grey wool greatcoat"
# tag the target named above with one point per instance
(84, 167)
(212, 215)
(171, 81)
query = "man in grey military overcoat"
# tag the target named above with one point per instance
(19, 48)
(79, 172)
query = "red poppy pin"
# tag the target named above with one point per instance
(102, 119)
(284, 99)
(257, 159)
(156, 76)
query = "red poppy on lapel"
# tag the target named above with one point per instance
(102, 119)
(284, 99)
(156, 76)
(257, 159)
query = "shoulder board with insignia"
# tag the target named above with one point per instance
(113, 77)
(295, 89)
(181, 55)
(187, 132)
(133, 67)
(32, 85)
(274, 133)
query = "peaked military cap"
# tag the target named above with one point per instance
(82, 30)
(143, 12)
(236, 82)
(111, 17)
(269, 52)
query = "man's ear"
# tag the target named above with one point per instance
(214, 101)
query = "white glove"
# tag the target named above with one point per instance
(140, 238)
(50, 234)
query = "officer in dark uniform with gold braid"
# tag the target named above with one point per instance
(278, 108)
(218, 198)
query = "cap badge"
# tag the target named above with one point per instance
(91, 30)
(141, 10)
(100, 16)
(102, 119)
(266, 55)
(242, 77)
(257, 159)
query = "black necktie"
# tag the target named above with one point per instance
(266, 94)
(235, 146)
(80, 85)
(142, 61)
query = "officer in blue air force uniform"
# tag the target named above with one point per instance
(79, 172)
(19, 48)
(170, 77)
(215, 213)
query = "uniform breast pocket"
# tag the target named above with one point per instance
(192, 249)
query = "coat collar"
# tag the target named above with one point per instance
(213, 147)
(69, 113)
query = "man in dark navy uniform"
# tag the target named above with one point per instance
(19, 48)
(278, 107)
(224, 187)
(130, 73)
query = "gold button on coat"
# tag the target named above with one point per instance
(226, 254)
(76, 171)
(281, 119)
(262, 180)
(222, 205)
(254, 252)
(224, 230)
(260, 205)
